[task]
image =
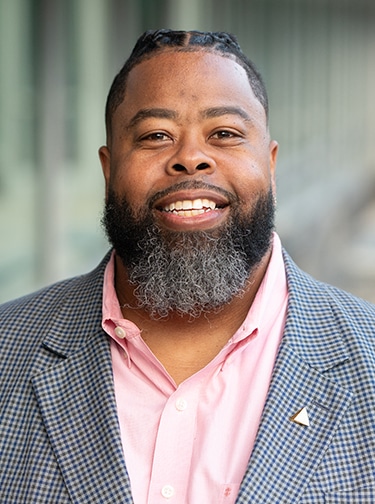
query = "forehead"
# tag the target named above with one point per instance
(177, 78)
(186, 61)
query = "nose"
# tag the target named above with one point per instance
(177, 167)
(190, 158)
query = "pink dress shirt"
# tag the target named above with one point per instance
(191, 444)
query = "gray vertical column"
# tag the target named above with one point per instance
(84, 186)
(12, 41)
(16, 174)
(369, 123)
(92, 53)
(50, 81)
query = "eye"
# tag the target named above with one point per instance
(157, 136)
(223, 134)
(154, 140)
(226, 137)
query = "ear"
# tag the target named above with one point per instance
(273, 150)
(105, 160)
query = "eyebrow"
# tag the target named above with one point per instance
(220, 111)
(162, 113)
(159, 113)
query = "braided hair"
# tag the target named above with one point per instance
(152, 42)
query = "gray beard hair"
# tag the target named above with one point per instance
(195, 275)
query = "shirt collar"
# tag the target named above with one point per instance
(270, 297)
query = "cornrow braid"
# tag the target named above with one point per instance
(152, 42)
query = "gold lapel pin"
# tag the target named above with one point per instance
(301, 417)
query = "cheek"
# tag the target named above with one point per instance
(134, 173)
(251, 181)
(124, 178)
(135, 188)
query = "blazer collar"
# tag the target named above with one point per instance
(309, 316)
(311, 329)
(78, 313)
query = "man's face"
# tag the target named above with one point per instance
(189, 172)
(189, 118)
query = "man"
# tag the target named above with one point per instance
(197, 363)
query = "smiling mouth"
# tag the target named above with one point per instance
(191, 208)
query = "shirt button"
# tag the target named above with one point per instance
(120, 333)
(167, 491)
(181, 404)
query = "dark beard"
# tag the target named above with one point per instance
(189, 273)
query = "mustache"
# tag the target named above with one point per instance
(191, 184)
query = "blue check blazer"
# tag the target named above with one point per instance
(59, 431)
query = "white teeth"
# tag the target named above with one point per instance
(191, 207)
(197, 204)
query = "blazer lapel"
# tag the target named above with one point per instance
(76, 398)
(286, 454)
(78, 407)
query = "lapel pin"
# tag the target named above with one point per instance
(301, 417)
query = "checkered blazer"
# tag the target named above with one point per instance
(59, 431)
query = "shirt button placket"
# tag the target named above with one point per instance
(174, 446)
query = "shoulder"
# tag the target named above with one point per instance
(39, 307)
(40, 328)
(312, 292)
(322, 315)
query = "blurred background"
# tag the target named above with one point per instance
(57, 61)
